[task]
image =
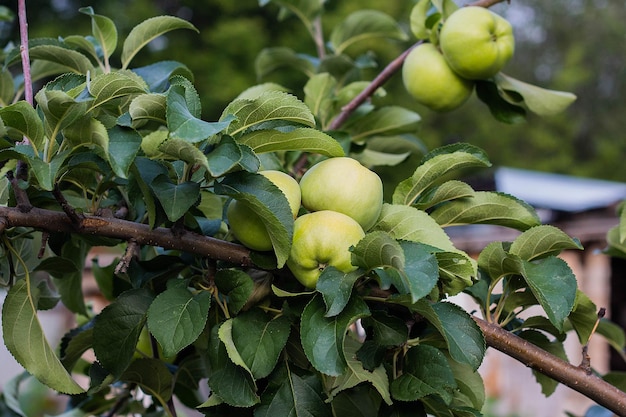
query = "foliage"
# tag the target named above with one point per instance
(126, 155)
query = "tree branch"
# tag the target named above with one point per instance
(556, 368)
(55, 222)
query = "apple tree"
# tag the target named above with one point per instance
(106, 154)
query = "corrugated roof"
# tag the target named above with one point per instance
(557, 191)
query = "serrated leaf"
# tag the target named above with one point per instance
(271, 59)
(548, 385)
(614, 335)
(30, 348)
(301, 139)
(259, 340)
(426, 372)
(45, 172)
(103, 30)
(60, 109)
(615, 246)
(153, 377)
(91, 133)
(159, 75)
(437, 165)
(148, 107)
(7, 87)
(75, 343)
(364, 25)
(470, 387)
(464, 339)
(542, 241)
(236, 285)
(70, 60)
(386, 330)
(501, 109)
(418, 19)
(176, 199)
(124, 144)
(293, 394)
(266, 200)
(449, 190)
(119, 84)
(538, 100)
(323, 337)
(22, 117)
(269, 106)
(336, 288)
(231, 383)
(319, 95)
(487, 207)
(148, 30)
(228, 156)
(357, 374)
(117, 329)
(184, 124)
(176, 318)
(180, 150)
(389, 120)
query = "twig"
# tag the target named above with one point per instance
(23, 202)
(554, 367)
(28, 84)
(67, 208)
(586, 359)
(132, 248)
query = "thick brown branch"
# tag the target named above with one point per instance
(536, 358)
(54, 222)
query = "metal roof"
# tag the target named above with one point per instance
(558, 192)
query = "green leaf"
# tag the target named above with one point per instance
(542, 241)
(357, 374)
(386, 330)
(30, 348)
(45, 172)
(176, 318)
(323, 337)
(448, 191)
(148, 30)
(319, 95)
(232, 383)
(22, 117)
(114, 85)
(266, 200)
(271, 59)
(160, 75)
(487, 207)
(614, 335)
(389, 120)
(436, 166)
(176, 199)
(117, 329)
(269, 106)
(548, 385)
(615, 246)
(103, 30)
(293, 393)
(153, 377)
(463, 337)
(301, 139)
(426, 372)
(363, 26)
(336, 288)
(148, 107)
(418, 19)
(260, 340)
(180, 150)
(470, 387)
(583, 317)
(124, 144)
(183, 124)
(68, 59)
(60, 109)
(538, 100)
(408, 266)
(236, 285)
(7, 87)
(228, 156)
(501, 109)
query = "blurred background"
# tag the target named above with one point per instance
(571, 45)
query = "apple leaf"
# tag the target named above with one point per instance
(153, 376)
(148, 107)
(269, 106)
(435, 166)
(110, 86)
(266, 200)
(7, 89)
(449, 190)
(583, 317)
(501, 109)
(236, 285)
(418, 19)
(301, 139)
(319, 95)
(271, 59)
(176, 199)
(148, 30)
(548, 385)
(103, 30)
(487, 207)
(542, 241)
(30, 348)
(336, 288)
(22, 117)
(124, 144)
(176, 318)
(539, 100)
(323, 337)
(364, 25)
(70, 60)
(389, 120)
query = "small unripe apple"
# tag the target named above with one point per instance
(476, 42)
(342, 184)
(248, 227)
(430, 80)
(320, 239)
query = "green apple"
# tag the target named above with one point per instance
(476, 42)
(320, 239)
(342, 184)
(430, 80)
(247, 226)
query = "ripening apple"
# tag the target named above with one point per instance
(247, 225)
(476, 42)
(342, 184)
(320, 239)
(430, 80)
